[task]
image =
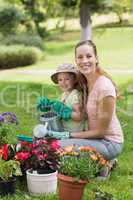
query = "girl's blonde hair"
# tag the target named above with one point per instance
(82, 79)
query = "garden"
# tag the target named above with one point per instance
(20, 97)
(35, 58)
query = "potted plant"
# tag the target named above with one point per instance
(77, 166)
(8, 123)
(40, 161)
(9, 169)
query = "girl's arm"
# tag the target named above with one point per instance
(77, 114)
(105, 112)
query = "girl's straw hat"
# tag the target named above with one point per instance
(65, 67)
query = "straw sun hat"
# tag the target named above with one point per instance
(65, 67)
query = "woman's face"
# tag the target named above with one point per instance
(86, 59)
(66, 81)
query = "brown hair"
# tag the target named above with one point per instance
(82, 78)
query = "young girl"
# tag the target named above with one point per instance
(66, 76)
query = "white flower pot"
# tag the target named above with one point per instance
(41, 184)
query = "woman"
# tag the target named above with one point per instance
(100, 94)
(105, 133)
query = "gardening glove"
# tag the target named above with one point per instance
(57, 106)
(58, 135)
(63, 111)
(43, 103)
(66, 113)
(40, 131)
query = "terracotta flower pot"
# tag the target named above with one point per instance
(69, 188)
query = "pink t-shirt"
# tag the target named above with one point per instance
(103, 87)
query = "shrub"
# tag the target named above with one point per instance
(18, 55)
(10, 18)
(25, 39)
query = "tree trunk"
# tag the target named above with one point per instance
(85, 21)
(86, 32)
(132, 8)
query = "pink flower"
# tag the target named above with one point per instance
(40, 154)
(55, 144)
(45, 155)
(22, 155)
(40, 157)
(34, 152)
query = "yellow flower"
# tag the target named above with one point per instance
(94, 157)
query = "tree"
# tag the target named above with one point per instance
(86, 9)
(85, 21)
(10, 17)
(35, 14)
(120, 7)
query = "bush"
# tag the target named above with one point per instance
(10, 17)
(25, 39)
(18, 55)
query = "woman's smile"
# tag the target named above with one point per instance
(86, 59)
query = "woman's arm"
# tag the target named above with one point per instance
(105, 112)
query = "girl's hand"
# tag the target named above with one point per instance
(63, 111)
(43, 103)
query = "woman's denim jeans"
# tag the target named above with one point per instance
(109, 149)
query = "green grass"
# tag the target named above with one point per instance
(114, 47)
(20, 98)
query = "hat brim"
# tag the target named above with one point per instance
(54, 77)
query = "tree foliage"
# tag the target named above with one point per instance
(120, 7)
(10, 17)
(68, 3)
(37, 12)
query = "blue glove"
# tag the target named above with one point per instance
(58, 135)
(43, 104)
(57, 106)
(66, 113)
(63, 111)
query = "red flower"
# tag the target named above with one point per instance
(5, 152)
(1, 152)
(22, 155)
(41, 154)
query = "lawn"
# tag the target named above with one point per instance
(19, 93)
(109, 42)
(20, 98)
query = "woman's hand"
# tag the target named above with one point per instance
(58, 135)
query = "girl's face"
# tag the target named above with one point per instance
(66, 81)
(86, 59)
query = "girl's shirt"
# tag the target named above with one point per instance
(70, 100)
(103, 87)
